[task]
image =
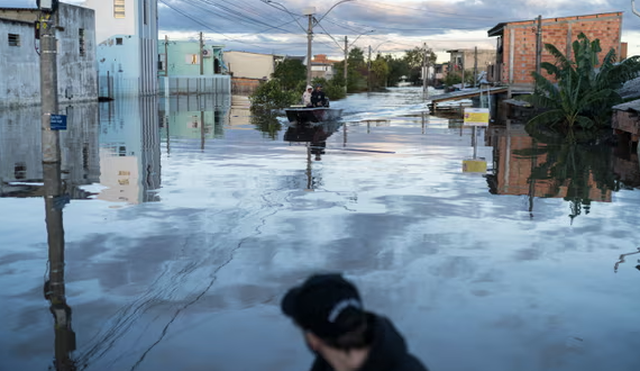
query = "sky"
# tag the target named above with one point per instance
(385, 26)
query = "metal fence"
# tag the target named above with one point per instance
(189, 85)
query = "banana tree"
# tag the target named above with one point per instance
(580, 92)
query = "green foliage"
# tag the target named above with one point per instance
(585, 89)
(332, 89)
(379, 73)
(414, 60)
(397, 68)
(290, 72)
(271, 95)
(454, 78)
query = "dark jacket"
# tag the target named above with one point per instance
(318, 98)
(388, 351)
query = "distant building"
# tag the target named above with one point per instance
(249, 69)
(321, 66)
(127, 37)
(516, 47)
(460, 59)
(180, 72)
(20, 62)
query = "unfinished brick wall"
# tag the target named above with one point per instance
(560, 32)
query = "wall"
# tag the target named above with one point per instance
(249, 65)
(180, 65)
(120, 64)
(107, 24)
(140, 67)
(560, 32)
(20, 65)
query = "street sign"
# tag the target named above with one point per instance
(58, 122)
(474, 166)
(476, 116)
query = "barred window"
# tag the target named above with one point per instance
(81, 41)
(118, 8)
(14, 39)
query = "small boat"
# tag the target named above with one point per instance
(301, 114)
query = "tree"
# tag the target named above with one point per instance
(415, 59)
(398, 67)
(580, 91)
(290, 72)
(379, 73)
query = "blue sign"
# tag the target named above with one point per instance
(58, 122)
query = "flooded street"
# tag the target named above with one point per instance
(188, 219)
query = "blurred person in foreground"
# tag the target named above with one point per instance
(341, 333)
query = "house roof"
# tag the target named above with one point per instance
(498, 29)
(629, 106)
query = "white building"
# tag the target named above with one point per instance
(20, 61)
(127, 34)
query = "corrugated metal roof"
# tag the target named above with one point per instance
(629, 106)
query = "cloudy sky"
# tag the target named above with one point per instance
(397, 25)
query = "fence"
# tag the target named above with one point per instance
(189, 85)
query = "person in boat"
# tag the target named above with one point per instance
(318, 98)
(341, 333)
(306, 96)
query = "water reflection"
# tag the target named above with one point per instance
(578, 171)
(130, 151)
(54, 286)
(21, 172)
(193, 117)
(622, 260)
(314, 136)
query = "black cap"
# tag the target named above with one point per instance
(319, 304)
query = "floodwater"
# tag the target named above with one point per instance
(186, 221)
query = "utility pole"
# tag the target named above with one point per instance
(424, 69)
(369, 70)
(475, 68)
(539, 46)
(201, 54)
(463, 56)
(49, 83)
(309, 40)
(346, 61)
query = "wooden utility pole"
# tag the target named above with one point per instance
(475, 67)
(201, 54)
(539, 46)
(346, 61)
(462, 62)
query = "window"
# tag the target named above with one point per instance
(118, 40)
(118, 8)
(81, 42)
(20, 171)
(14, 39)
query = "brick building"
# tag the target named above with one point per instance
(516, 46)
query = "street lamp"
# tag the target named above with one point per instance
(309, 12)
(633, 8)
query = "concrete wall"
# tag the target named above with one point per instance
(140, 27)
(184, 58)
(519, 40)
(20, 65)
(486, 57)
(249, 65)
